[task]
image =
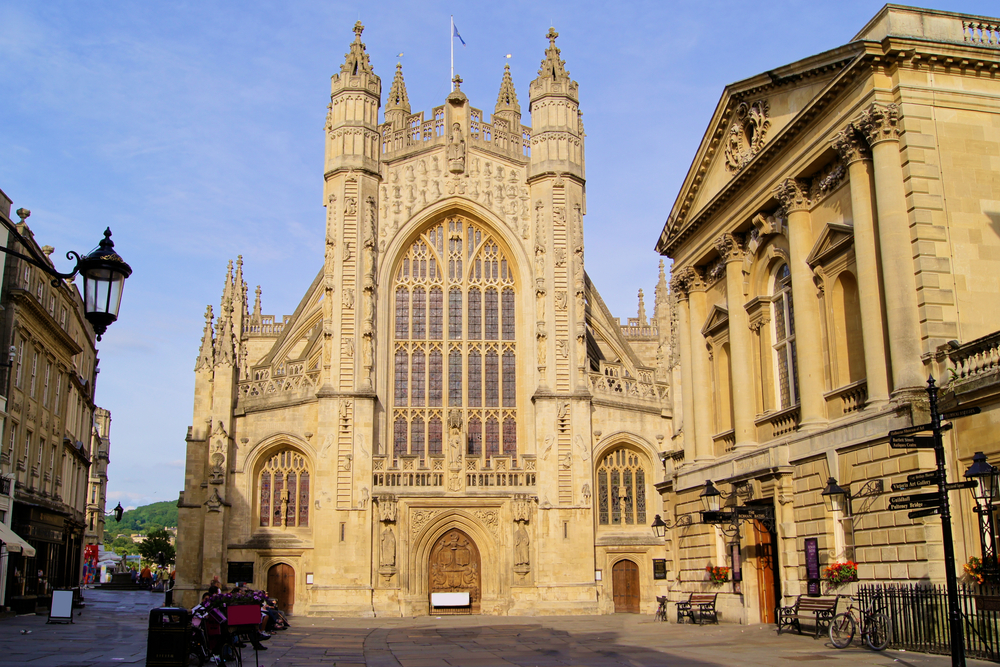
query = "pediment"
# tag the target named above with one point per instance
(752, 115)
(835, 239)
(718, 318)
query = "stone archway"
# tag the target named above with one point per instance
(454, 567)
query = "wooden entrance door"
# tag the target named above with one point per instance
(625, 587)
(453, 567)
(281, 586)
(767, 566)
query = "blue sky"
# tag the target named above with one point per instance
(195, 130)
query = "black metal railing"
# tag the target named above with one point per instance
(919, 615)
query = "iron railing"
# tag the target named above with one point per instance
(919, 615)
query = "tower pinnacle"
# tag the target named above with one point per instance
(356, 60)
(397, 92)
(552, 66)
(507, 98)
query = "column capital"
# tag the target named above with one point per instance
(793, 193)
(731, 247)
(879, 122)
(685, 280)
(851, 145)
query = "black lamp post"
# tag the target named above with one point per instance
(835, 497)
(104, 273)
(711, 497)
(985, 494)
(117, 511)
(659, 526)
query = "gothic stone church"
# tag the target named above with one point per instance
(451, 421)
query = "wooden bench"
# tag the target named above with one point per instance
(819, 610)
(699, 607)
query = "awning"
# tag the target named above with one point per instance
(14, 543)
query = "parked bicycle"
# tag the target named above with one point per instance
(875, 627)
(661, 611)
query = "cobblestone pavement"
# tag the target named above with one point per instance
(111, 630)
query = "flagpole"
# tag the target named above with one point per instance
(451, 39)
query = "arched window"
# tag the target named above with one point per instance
(283, 490)
(621, 488)
(454, 318)
(784, 339)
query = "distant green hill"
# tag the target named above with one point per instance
(143, 519)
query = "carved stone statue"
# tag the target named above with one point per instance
(521, 544)
(456, 150)
(388, 555)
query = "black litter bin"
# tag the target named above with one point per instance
(167, 643)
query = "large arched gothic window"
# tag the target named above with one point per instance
(283, 490)
(454, 319)
(621, 488)
(784, 339)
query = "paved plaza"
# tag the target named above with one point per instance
(111, 630)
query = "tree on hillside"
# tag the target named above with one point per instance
(156, 541)
(122, 545)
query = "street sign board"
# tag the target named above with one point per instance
(915, 506)
(922, 513)
(919, 428)
(902, 486)
(922, 478)
(911, 441)
(968, 484)
(915, 498)
(964, 412)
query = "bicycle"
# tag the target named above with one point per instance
(661, 611)
(875, 627)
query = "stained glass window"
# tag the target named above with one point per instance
(436, 314)
(434, 436)
(304, 499)
(621, 488)
(461, 260)
(435, 379)
(507, 314)
(265, 498)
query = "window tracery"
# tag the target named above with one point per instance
(283, 490)
(621, 488)
(462, 260)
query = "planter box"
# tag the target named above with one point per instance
(244, 614)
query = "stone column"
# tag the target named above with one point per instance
(731, 249)
(853, 150)
(794, 194)
(680, 283)
(880, 125)
(700, 368)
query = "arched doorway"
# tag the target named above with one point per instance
(625, 587)
(281, 586)
(454, 567)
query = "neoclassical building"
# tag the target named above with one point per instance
(835, 242)
(451, 421)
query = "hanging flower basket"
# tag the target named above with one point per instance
(717, 574)
(982, 571)
(839, 574)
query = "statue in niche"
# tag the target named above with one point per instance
(348, 347)
(474, 193)
(456, 150)
(560, 256)
(562, 349)
(499, 172)
(539, 261)
(347, 251)
(541, 336)
(540, 303)
(327, 444)
(558, 216)
(521, 544)
(348, 298)
(549, 440)
(566, 461)
(409, 174)
(581, 351)
(422, 168)
(455, 437)
(488, 170)
(435, 169)
(488, 197)
(352, 206)
(366, 351)
(363, 503)
(388, 555)
(586, 494)
(525, 230)
(436, 190)
(561, 299)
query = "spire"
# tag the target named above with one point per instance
(397, 106)
(227, 290)
(356, 60)
(224, 338)
(552, 67)
(642, 310)
(256, 304)
(397, 93)
(507, 99)
(660, 294)
(206, 357)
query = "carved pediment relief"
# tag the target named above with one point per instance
(746, 134)
(835, 239)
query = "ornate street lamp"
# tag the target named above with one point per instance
(985, 493)
(117, 511)
(835, 497)
(659, 526)
(104, 273)
(711, 498)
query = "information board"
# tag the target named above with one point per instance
(659, 568)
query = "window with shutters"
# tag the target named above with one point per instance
(283, 490)
(454, 321)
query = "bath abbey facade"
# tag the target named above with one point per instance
(451, 421)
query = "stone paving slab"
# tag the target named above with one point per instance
(112, 630)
